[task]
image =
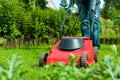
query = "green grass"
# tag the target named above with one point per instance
(30, 56)
(107, 50)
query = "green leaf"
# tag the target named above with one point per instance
(61, 64)
(3, 77)
(72, 59)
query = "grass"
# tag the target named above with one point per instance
(107, 50)
(30, 56)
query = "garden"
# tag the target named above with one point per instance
(23, 64)
(28, 28)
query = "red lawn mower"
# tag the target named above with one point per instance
(82, 47)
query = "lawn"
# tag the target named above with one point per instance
(30, 57)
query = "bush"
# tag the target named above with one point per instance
(10, 12)
(18, 21)
(21, 20)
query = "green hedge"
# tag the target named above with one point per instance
(17, 21)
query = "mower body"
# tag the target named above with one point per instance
(81, 47)
(71, 45)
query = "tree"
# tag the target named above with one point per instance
(111, 8)
(11, 13)
(63, 4)
(117, 4)
(41, 3)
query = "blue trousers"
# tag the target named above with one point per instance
(85, 7)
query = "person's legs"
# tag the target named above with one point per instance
(96, 25)
(85, 7)
(84, 17)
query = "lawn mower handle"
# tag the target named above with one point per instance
(62, 25)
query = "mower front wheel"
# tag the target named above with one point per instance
(42, 60)
(83, 60)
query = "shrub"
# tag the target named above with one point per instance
(10, 73)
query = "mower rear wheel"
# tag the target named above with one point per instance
(96, 55)
(42, 60)
(83, 60)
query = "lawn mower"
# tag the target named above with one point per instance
(81, 47)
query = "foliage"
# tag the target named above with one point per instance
(112, 3)
(105, 70)
(111, 8)
(26, 19)
(107, 67)
(108, 29)
(32, 22)
(114, 48)
(63, 4)
(40, 3)
(9, 12)
(117, 20)
(2, 40)
(117, 4)
(10, 73)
